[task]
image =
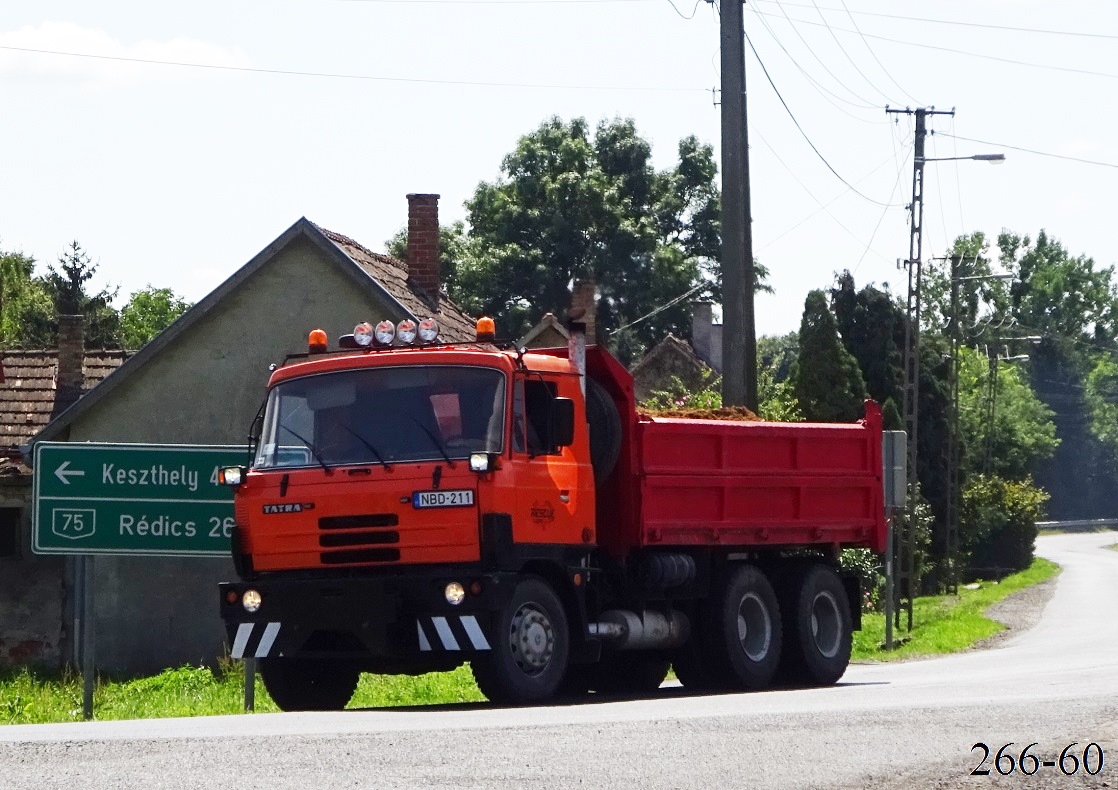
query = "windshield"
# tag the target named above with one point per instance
(383, 416)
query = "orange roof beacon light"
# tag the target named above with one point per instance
(363, 334)
(486, 330)
(405, 330)
(385, 333)
(428, 330)
(316, 341)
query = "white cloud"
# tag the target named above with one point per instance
(110, 62)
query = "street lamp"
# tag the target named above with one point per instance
(995, 158)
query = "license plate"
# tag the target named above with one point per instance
(459, 498)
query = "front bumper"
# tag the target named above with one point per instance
(387, 619)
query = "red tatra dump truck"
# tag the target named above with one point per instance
(414, 505)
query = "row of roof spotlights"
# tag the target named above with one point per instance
(385, 332)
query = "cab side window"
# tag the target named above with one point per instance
(531, 404)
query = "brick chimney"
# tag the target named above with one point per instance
(71, 356)
(584, 297)
(423, 244)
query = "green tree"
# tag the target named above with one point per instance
(575, 205)
(1022, 431)
(149, 311)
(997, 520)
(826, 379)
(871, 325)
(1069, 303)
(453, 243)
(67, 282)
(26, 311)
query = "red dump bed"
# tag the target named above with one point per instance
(706, 482)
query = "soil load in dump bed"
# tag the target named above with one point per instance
(733, 413)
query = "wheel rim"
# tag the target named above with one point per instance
(754, 627)
(532, 639)
(826, 624)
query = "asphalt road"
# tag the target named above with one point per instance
(899, 725)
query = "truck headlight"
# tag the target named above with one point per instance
(479, 462)
(251, 601)
(454, 593)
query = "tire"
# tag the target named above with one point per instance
(747, 635)
(629, 673)
(528, 659)
(304, 684)
(818, 630)
(605, 430)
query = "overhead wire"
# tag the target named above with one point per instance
(792, 115)
(823, 90)
(955, 22)
(663, 307)
(874, 56)
(846, 54)
(1031, 150)
(866, 103)
(900, 171)
(694, 10)
(1013, 61)
(332, 75)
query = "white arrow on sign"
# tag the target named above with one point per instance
(63, 474)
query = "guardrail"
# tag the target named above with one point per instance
(1082, 525)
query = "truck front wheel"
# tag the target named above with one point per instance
(305, 684)
(528, 659)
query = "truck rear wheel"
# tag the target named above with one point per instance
(817, 628)
(747, 636)
(305, 684)
(528, 659)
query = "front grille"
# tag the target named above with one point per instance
(359, 522)
(358, 539)
(360, 555)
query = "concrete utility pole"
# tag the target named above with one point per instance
(905, 556)
(739, 340)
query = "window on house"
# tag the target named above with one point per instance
(10, 543)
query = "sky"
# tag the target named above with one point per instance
(175, 141)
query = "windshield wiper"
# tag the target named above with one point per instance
(434, 440)
(369, 445)
(310, 447)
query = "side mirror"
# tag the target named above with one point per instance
(561, 422)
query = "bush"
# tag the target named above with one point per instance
(997, 520)
(868, 566)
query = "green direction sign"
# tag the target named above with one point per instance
(135, 499)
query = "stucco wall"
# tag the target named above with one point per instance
(31, 595)
(205, 388)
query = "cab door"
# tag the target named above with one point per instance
(554, 497)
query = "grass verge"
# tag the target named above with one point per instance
(946, 623)
(29, 697)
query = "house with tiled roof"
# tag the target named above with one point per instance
(202, 380)
(35, 387)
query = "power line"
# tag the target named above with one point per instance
(330, 75)
(823, 90)
(791, 115)
(874, 55)
(663, 307)
(983, 56)
(842, 49)
(1031, 151)
(955, 22)
(866, 103)
(694, 10)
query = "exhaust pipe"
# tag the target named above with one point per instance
(650, 630)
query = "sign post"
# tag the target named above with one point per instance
(128, 499)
